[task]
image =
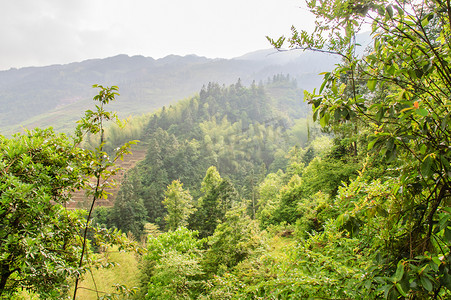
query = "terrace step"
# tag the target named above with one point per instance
(79, 199)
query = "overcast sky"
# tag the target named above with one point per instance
(44, 32)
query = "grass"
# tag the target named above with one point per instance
(125, 272)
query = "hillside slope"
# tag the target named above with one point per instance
(57, 95)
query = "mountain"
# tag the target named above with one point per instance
(58, 95)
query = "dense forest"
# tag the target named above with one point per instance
(240, 195)
(238, 130)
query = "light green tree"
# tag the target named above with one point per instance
(233, 241)
(178, 203)
(171, 266)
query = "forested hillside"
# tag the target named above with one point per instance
(239, 195)
(241, 131)
(57, 95)
(241, 170)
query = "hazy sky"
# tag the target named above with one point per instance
(43, 32)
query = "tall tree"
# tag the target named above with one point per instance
(102, 165)
(178, 203)
(129, 213)
(218, 197)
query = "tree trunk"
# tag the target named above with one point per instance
(4, 279)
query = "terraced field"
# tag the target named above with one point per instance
(79, 199)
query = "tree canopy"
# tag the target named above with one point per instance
(397, 96)
(38, 171)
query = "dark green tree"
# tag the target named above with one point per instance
(129, 213)
(218, 196)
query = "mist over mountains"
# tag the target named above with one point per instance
(58, 95)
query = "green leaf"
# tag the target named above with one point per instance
(325, 80)
(427, 67)
(448, 234)
(446, 280)
(426, 283)
(371, 84)
(315, 115)
(445, 163)
(426, 166)
(324, 121)
(400, 290)
(423, 149)
(405, 284)
(391, 70)
(380, 114)
(342, 219)
(425, 21)
(400, 10)
(444, 124)
(389, 10)
(334, 87)
(381, 211)
(443, 223)
(407, 109)
(381, 10)
(399, 271)
(372, 143)
(393, 294)
(419, 73)
(386, 288)
(422, 112)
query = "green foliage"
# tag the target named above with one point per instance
(178, 203)
(290, 194)
(129, 213)
(315, 211)
(326, 175)
(41, 245)
(326, 265)
(371, 210)
(175, 277)
(333, 263)
(102, 168)
(234, 128)
(218, 197)
(284, 196)
(233, 241)
(181, 240)
(269, 198)
(167, 160)
(171, 265)
(38, 237)
(396, 97)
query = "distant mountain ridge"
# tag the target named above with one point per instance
(57, 95)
